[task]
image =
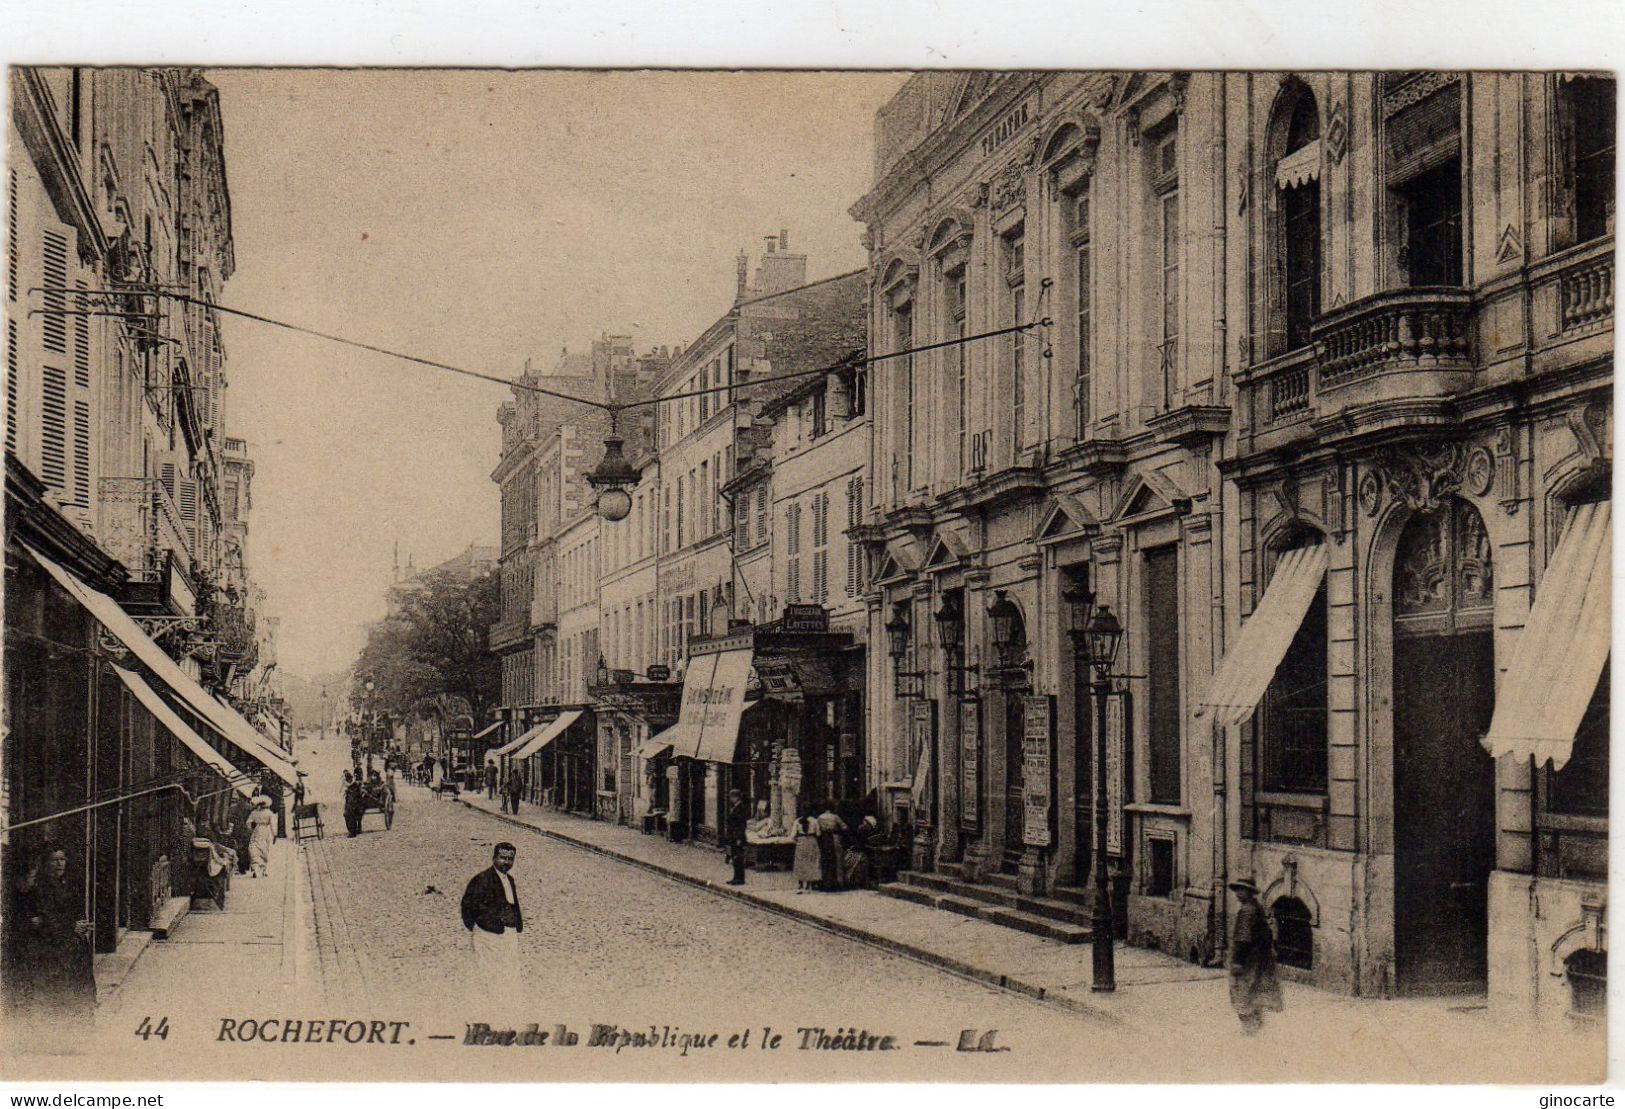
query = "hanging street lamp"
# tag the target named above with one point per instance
(613, 476)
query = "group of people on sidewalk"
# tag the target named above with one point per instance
(831, 853)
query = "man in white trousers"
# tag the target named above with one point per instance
(493, 919)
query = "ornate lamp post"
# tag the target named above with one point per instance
(1096, 636)
(905, 683)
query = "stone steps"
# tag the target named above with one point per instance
(997, 901)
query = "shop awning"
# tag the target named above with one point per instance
(487, 730)
(719, 706)
(655, 746)
(237, 731)
(1563, 647)
(497, 754)
(1299, 168)
(547, 733)
(1253, 658)
(177, 728)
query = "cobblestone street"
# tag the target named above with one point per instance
(608, 943)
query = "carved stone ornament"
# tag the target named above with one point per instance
(1286, 495)
(1506, 470)
(1589, 424)
(1009, 188)
(1480, 473)
(1511, 246)
(1337, 132)
(1424, 474)
(1178, 85)
(1370, 493)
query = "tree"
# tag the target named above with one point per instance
(432, 648)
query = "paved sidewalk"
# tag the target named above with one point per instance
(1421, 1040)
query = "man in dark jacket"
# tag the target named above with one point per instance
(733, 834)
(354, 806)
(1254, 987)
(492, 916)
(490, 781)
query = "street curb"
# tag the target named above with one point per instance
(862, 935)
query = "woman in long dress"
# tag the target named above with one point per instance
(262, 829)
(830, 830)
(806, 865)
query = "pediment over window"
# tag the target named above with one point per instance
(1065, 517)
(899, 559)
(948, 552)
(1150, 493)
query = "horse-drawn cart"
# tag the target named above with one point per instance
(379, 797)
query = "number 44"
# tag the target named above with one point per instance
(147, 1030)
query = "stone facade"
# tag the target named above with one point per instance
(1371, 312)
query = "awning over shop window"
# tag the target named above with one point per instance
(1563, 647)
(497, 754)
(177, 727)
(655, 747)
(487, 730)
(547, 733)
(225, 720)
(1252, 660)
(719, 707)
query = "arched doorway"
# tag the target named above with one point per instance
(1444, 782)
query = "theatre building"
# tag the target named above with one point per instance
(1322, 413)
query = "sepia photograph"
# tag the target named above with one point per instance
(807, 575)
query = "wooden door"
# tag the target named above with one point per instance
(1444, 781)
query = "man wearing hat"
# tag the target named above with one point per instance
(1254, 987)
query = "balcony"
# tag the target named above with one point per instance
(141, 523)
(1385, 360)
(510, 631)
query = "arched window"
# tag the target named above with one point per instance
(1294, 934)
(1587, 974)
(1295, 147)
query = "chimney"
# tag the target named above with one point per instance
(743, 264)
(772, 243)
(784, 240)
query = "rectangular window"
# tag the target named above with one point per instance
(1593, 109)
(1168, 206)
(1162, 666)
(956, 315)
(1292, 718)
(1433, 250)
(1080, 384)
(1015, 277)
(903, 323)
(792, 561)
(1300, 208)
(1161, 880)
(702, 525)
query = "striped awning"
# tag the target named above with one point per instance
(497, 754)
(1563, 647)
(1252, 660)
(487, 730)
(222, 718)
(547, 733)
(189, 739)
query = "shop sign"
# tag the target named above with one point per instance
(1114, 773)
(970, 763)
(776, 676)
(805, 618)
(922, 734)
(1037, 741)
(675, 577)
(658, 673)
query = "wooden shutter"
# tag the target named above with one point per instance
(187, 498)
(792, 540)
(11, 382)
(761, 514)
(11, 237)
(854, 552)
(81, 452)
(54, 427)
(54, 275)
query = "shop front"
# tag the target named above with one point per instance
(632, 759)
